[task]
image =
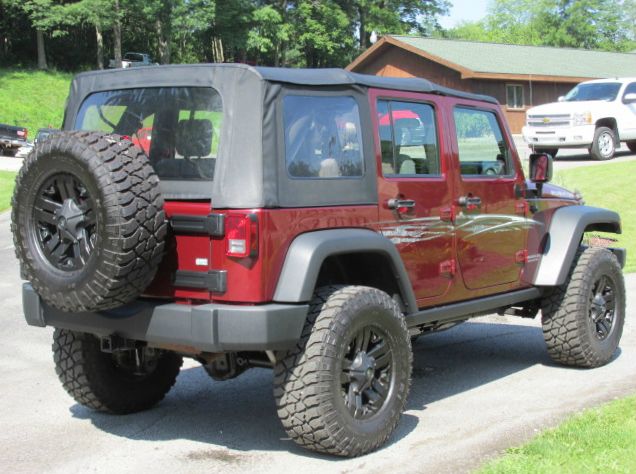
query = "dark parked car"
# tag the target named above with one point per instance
(12, 138)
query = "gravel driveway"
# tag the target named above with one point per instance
(477, 389)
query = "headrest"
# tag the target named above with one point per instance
(194, 137)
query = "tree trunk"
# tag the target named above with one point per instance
(100, 47)
(41, 51)
(117, 36)
(163, 41)
(217, 50)
(362, 30)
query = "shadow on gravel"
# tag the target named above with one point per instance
(240, 414)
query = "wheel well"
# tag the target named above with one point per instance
(608, 122)
(365, 268)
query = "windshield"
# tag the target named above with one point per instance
(594, 91)
(177, 128)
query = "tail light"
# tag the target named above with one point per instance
(23, 133)
(241, 233)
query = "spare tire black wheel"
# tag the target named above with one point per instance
(88, 221)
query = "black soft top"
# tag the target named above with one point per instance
(310, 77)
(250, 169)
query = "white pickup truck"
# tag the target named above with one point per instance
(597, 115)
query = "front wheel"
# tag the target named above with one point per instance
(583, 318)
(121, 382)
(604, 144)
(343, 388)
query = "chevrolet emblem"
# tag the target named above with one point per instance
(546, 120)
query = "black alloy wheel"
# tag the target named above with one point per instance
(603, 307)
(367, 373)
(65, 222)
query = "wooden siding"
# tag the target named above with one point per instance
(397, 62)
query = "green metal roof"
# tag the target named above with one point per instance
(493, 58)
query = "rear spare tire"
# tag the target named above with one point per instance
(88, 221)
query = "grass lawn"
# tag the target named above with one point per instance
(7, 179)
(608, 186)
(33, 99)
(601, 440)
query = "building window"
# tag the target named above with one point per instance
(514, 94)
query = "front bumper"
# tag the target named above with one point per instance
(206, 328)
(580, 136)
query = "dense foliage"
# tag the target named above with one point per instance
(608, 25)
(314, 33)
(84, 34)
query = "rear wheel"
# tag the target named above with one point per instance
(343, 388)
(604, 144)
(583, 318)
(9, 151)
(121, 382)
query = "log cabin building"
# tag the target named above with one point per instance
(519, 77)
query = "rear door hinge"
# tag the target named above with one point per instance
(448, 268)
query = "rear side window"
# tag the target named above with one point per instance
(408, 139)
(482, 148)
(322, 137)
(178, 128)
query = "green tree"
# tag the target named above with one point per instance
(592, 24)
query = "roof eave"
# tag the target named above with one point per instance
(464, 72)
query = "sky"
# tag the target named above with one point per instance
(468, 10)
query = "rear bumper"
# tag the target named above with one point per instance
(206, 328)
(11, 143)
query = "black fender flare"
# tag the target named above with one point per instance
(564, 237)
(307, 253)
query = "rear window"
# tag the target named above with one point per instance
(322, 137)
(178, 128)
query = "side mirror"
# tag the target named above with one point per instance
(629, 98)
(561, 98)
(540, 168)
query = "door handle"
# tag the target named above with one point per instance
(400, 204)
(469, 202)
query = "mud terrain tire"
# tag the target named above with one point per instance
(342, 389)
(88, 221)
(583, 318)
(100, 380)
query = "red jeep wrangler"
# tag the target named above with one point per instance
(311, 221)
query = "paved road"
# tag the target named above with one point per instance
(477, 389)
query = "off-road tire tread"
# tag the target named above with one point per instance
(136, 225)
(300, 377)
(566, 335)
(79, 366)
